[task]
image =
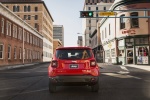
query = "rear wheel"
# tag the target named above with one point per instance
(52, 86)
(95, 87)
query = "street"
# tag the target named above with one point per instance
(116, 83)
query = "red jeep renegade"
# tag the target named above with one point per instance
(73, 66)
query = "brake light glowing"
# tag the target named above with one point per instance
(92, 63)
(54, 64)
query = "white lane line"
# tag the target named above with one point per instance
(120, 75)
(34, 91)
(124, 68)
(123, 72)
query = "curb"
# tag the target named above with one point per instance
(19, 66)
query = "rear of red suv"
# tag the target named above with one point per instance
(73, 66)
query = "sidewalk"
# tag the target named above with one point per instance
(5, 67)
(143, 67)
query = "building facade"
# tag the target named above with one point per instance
(80, 41)
(56, 43)
(58, 33)
(90, 24)
(127, 40)
(16, 47)
(35, 13)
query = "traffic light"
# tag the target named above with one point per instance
(86, 14)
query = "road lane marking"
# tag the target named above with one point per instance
(120, 75)
(34, 91)
(124, 68)
(123, 72)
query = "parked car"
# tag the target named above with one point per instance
(73, 66)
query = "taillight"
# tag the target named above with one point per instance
(93, 63)
(54, 63)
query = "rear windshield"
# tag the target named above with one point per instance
(73, 54)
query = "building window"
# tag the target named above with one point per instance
(96, 8)
(1, 51)
(134, 21)
(27, 53)
(9, 52)
(25, 8)
(112, 52)
(14, 8)
(30, 38)
(25, 17)
(2, 25)
(36, 26)
(96, 15)
(29, 17)
(36, 8)
(107, 53)
(102, 35)
(8, 29)
(89, 28)
(27, 37)
(36, 17)
(109, 29)
(89, 21)
(15, 53)
(104, 8)
(143, 40)
(15, 31)
(105, 33)
(18, 8)
(19, 53)
(122, 22)
(89, 8)
(29, 8)
(20, 34)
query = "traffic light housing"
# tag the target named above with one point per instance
(86, 14)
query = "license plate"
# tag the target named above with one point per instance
(73, 66)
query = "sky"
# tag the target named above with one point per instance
(67, 13)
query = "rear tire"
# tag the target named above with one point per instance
(95, 87)
(52, 86)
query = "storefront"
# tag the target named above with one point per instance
(133, 50)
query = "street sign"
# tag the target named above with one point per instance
(107, 13)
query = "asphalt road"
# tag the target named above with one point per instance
(116, 83)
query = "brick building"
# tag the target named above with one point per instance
(35, 13)
(56, 43)
(12, 41)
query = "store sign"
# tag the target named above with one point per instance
(131, 31)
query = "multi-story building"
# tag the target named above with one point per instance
(80, 41)
(56, 43)
(19, 42)
(58, 33)
(127, 40)
(35, 13)
(90, 25)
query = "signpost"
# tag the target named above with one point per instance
(107, 13)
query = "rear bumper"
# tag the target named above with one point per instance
(74, 80)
